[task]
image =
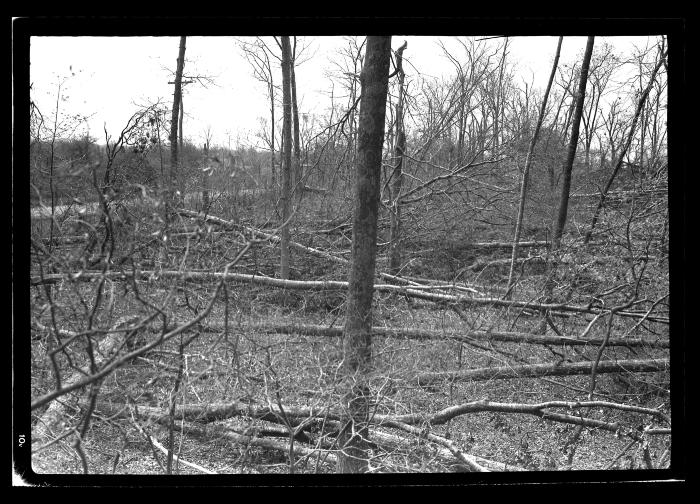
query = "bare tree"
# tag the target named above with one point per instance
(560, 222)
(625, 147)
(206, 170)
(573, 144)
(526, 170)
(357, 346)
(258, 55)
(296, 171)
(287, 156)
(397, 175)
(177, 98)
(348, 65)
(497, 99)
(603, 65)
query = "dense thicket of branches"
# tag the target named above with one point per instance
(407, 332)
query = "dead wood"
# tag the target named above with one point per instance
(466, 336)
(339, 285)
(537, 370)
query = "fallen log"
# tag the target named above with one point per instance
(256, 233)
(538, 410)
(214, 412)
(466, 336)
(275, 239)
(538, 370)
(396, 442)
(507, 245)
(466, 459)
(323, 285)
(270, 444)
(51, 423)
(503, 262)
(83, 378)
(451, 412)
(192, 424)
(193, 416)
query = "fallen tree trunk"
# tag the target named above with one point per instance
(83, 379)
(537, 370)
(539, 411)
(623, 194)
(275, 239)
(51, 423)
(192, 425)
(466, 336)
(506, 245)
(194, 415)
(467, 460)
(504, 262)
(258, 234)
(214, 412)
(270, 444)
(338, 285)
(451, 412)
(395, 442)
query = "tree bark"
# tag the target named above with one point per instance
(498, 110)
(172, 176)
(357, 349)
(573, 144)
(296, 172)
(560, 222)
(471, 336)
(538, 370)
(181, 117)
(414, 291)
(205, 179)
(285, 198)
(273, 167)
(177, 98)
(397, 176)
(526, 170)
(51, 423)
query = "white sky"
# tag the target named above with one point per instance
(113, 73)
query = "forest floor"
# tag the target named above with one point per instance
(229, 358)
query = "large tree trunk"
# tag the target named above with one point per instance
(357, 346)
(573, 143)
(296, 172)
(206, 173)
(273, 167)
(181, 117)
(177, 97)
(287, 156)
(559, 223)
(526, 171)
(172, 176)
(397, 176)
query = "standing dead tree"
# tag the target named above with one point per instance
(559, 223)
(258, 55)
(286, 196)
(573, 144)
(173, 172)
(397, 175)
(526, 170)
